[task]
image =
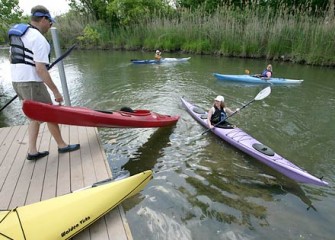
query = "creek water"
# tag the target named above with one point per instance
(204, 188)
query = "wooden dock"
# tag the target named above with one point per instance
(24, 182)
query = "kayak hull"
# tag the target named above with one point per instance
(163, 60)
(81, 116)
(64, 216)
(256, 80)
(249, 145)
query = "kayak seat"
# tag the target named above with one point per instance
(198, 110)
(126, 109)
(226, 125)
(138, 112)
(203, 116)
(263, 149)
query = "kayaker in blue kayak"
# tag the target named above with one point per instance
(158, 55)
(266, 74)
(218, 112)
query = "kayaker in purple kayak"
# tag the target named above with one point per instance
(218, 113)
(266, 74)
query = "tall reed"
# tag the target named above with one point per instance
(251, 33)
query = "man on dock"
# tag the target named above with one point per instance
(29, 57)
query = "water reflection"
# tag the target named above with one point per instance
(227, 203)
(147, 156)
(211, 192)
(217, 202)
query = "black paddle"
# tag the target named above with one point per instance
(10, 101)
(261, 95)
(49, 67)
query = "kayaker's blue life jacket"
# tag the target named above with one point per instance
(19, 53)
(264, 73)
(218, 116)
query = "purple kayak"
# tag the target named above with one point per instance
(246, 143)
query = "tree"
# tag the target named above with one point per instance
(132, 11)
(208, 5)
(10, 13)
(120, 12)
(95, 8)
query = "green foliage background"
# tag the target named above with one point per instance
(10, 13)
(300, 31)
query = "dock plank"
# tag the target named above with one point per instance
(23, 182)
(4, 143)
(63, 180)
(77, 180)
(10, 170)
(37, 180)
(116, 225)
(6, 149)
(87, 158)
(99, 158)
(51, 172)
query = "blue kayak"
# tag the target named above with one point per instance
(163, 60)
(256, 80)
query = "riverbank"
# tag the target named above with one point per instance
(275, 36)
(245, 34)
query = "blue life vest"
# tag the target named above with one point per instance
(264, 73)
(19, 54)
(218, 116)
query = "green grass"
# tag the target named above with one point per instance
(249, 33)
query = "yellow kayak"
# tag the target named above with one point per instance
(64, 216)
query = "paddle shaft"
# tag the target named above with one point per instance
(49, 67)
(62, 57)
(10, 101)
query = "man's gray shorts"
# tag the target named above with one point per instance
(36, 91)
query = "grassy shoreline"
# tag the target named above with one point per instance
(246, 34)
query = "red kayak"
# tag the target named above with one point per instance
(81, 116)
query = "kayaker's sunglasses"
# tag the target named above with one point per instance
(50, 22)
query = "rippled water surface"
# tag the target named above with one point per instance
(204, 188)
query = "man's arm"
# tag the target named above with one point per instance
(43, 73)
